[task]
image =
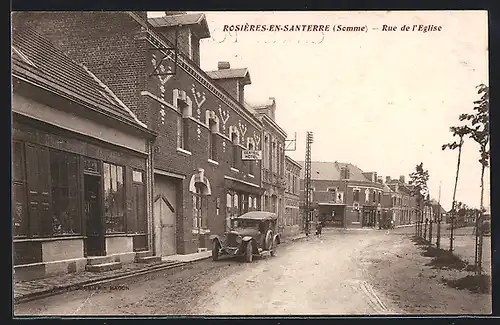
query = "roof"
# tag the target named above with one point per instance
(331, 171)
(292, 161)
(258, 215)
(241, 73)
(35, 57)
(386, 188)
(197, 19)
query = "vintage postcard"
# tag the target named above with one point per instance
(250, 163)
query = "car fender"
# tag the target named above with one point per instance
(247, 238)
(214, 237)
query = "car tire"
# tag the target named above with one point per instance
(215, 250)
(268, 241)
(274, 248)
(249, 253)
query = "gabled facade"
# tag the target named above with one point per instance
(81, 165)
(200, 181)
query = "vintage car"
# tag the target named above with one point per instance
(253, 234)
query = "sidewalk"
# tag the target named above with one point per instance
(35, 289)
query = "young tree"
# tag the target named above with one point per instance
(479, 132)
(418, 182)
(460, 132)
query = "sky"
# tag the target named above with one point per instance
(381, 100)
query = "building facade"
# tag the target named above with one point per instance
(401, 204)
(200, 181)
(81, 165)
(293, 221)
(273, 161)
(344, 195)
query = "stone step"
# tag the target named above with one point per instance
(103, 267)
(94, 260)
(148, 259)
(142, 254)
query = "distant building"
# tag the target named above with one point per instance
(292, 221)
(344, 195)
(401, 204)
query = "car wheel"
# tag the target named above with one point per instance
(215, 250)
(249, 253)
(274, 248)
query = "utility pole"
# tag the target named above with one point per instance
(438, 235)
(307, 182)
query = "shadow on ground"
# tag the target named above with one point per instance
(441, 259)
(474, 283)
(444, 259)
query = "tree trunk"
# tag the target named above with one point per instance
(455, 193)
(480, 225)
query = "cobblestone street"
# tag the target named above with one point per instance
(344, 272)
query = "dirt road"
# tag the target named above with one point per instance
(317, 276)
(344, 272)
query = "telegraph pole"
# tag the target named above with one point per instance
(438, 235)
(307, 183)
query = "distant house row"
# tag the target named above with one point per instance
(345, 196)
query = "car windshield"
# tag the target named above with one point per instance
(246, 224)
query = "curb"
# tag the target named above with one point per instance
(87, 283)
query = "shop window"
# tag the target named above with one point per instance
(114, 198)
(38, 188)
(65, 193)
(19, 207)
(138, 218)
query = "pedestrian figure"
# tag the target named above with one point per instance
(319, 228)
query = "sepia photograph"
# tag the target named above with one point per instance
(250, 163)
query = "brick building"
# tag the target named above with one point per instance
(81, 165)
(293, 222)
(200, 180)
(401, 202)
(273, 160)
(344, 195)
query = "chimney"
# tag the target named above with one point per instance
(402, 179)
(380, 180)
(272, 109)
(375, 177)
(387, 179)
(223, 65)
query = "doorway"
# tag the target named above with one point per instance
(165, 211)
(94, 244)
